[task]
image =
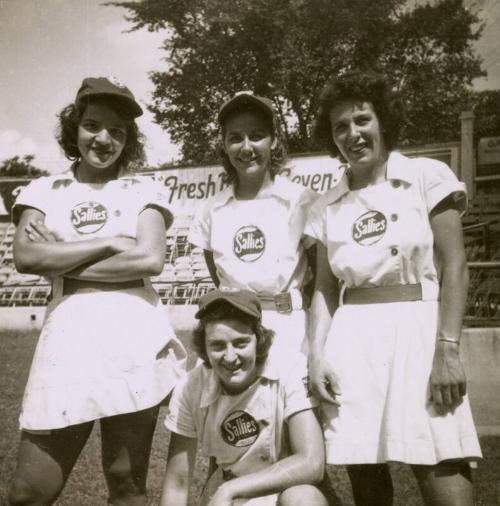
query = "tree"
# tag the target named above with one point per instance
(287, 49)
(20, 167)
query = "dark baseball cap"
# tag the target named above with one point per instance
(247, 99)
(244, 300)
(109, 87)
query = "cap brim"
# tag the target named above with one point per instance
(245, 100)
(130, 107)
(241, 307)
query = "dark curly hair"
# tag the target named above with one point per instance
(278, 152)
(359, 85)
(225, 311)
(67, 132)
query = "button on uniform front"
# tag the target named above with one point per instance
(393, 342)
(245, 432)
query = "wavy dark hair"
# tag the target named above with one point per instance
(67, 131)
(278, 152)
(225, 311)
(360, 85)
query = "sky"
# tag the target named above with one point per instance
(48, 46)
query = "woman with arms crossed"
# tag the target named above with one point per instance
(252, 231)
(249, 410)
(106, 349)
(392, 274)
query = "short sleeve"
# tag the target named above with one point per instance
(440, 182)
(154, 195)
(297, 395)
(199, 232)
(315, 223)
(307, 201)
(33, 195)
(180, 417)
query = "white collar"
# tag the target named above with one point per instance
(273, 188)
(212, 388)
(397, 169)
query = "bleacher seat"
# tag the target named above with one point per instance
(184, 275)
(182, 261)
(6, 296)
(166, 276)
(21, 296)
(22, 279)
(201, 274)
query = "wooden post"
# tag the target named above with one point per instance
(467, 159)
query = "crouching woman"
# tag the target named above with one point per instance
(249, 409)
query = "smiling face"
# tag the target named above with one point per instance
(357, 133)
(248, 141)
(231, 347)
(102, 135)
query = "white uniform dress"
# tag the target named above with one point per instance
(259, 245)
(99, 353)
(382, 353)
(244, 433)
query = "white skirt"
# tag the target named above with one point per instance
(382, 354)
(289, 329)
(101, 354)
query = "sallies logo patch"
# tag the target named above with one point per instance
(249, 243)
(369, 228)
(240, 429)
(88, 217)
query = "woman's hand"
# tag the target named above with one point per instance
(39, 250)
(304, 465)
(323, 381)
(447, 381)
(36, 231)
(131, 258)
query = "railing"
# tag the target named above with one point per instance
(483, 303)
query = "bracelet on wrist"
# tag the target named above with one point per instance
(451, 340)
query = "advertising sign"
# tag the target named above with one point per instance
(488, 156)
(189, 187)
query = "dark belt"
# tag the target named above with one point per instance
(381, 294)
(72, 286)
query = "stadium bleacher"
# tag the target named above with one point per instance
(481, 227)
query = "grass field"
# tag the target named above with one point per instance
(86, 484)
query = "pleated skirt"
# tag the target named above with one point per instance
(101, 354)
(382, 354)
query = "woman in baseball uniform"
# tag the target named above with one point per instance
(391, 286)
(249, 411)
(106, 350)
(253, 231)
